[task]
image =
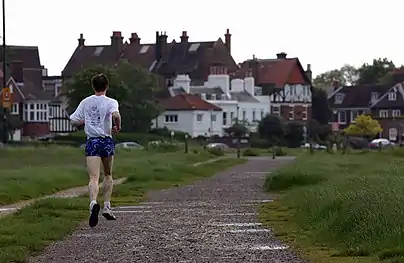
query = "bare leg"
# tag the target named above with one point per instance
(108, 182)
(93, 168)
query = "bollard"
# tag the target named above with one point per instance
(380, 146)
(238, 148)
(186, 144)
(273, 153)
(311, 149)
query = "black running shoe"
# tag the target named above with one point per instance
(93, 220)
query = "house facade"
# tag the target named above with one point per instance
(384, 103)
(237, 98)
(286, 83)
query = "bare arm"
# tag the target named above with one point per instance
(116, 116)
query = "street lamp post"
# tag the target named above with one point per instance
(4, 71)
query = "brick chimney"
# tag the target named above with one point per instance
(134, 39)
(158, 51)
(281, 55)
(227, 42)
(81, 40)
(309, 74)
(117, 40)
(184, 37)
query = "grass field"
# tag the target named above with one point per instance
(341, 208)
(32, 228)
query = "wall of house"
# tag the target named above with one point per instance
(35, 129)
(292, 111)
(293, 93)
(392, 128)
(189, 122)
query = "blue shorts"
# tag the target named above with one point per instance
(100, 146)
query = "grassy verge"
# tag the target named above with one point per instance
(36, 226)
(29, 173)
(340, 208)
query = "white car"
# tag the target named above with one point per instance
(221, 146)
(129, 145)
(384, 143)
(315, 146)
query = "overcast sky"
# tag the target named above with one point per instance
(325, 34)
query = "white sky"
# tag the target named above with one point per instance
(325, 34)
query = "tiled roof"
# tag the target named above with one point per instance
(278, 72)
(29, 55)
(384, 102)
(188, 102)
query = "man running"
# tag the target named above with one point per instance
(96, 112)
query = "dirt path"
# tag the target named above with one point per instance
(213, 220)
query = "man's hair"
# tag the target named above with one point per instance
(100, 82)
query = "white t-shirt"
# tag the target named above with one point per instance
(96, 111)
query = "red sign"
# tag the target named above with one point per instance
(335, 126)
(6, 101)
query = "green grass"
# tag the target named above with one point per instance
(341, 208)
(36, 226)
(29, 173)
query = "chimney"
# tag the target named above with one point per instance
(227, 42)
(309, 74)
(158, 52)
(134, 39)
(44, 71)
(81, 40)
(184, 37)
(281, 55)
(163, 38)
(117, 40)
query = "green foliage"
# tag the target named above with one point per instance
(364, 126)
(346, 75)
(133, 87)
(279, 151)
(321, 110)
(216, 151)
(166, 133)
(272, 128)
(237, 130)
(251, 152)
(163, 146)
(294, 134)
(373, 73)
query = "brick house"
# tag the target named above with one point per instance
(286, 83)
(30, 101)
(385, 103)
(167, 59)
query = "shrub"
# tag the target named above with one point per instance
(259, 143)
(279, 151)
(250, 152)
(163, 146)
(216, 151)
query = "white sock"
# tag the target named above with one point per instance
(107, 204)
(92, 203)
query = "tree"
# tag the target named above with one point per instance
(272, 128)
(294, 134)
(14, 123)
(346, 75)
(321, 110)
(374, 73)
(133, 87)
(237, 130)
(364, 126)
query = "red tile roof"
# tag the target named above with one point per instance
(276, 71)
(188, 102)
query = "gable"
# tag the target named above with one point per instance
(385, 102)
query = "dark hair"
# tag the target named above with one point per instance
(100, 82)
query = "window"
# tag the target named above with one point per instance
(231, 117)
(339, 98)
(354, 115)
(392, 96)
(194, 47)
(276, 110)
(98, 51)
(199, 117)
(342, 117)
(396, 113)
(383, 113)
(144, 49)
(291, 113)
(244, 115)
(171, 118)
(224, 118)
(393, 134)
(36, 112)
(374, 96)
(213, 117)
(262, 114)
(254, 118)
(304, 114)
(15, 109)
(50, 114)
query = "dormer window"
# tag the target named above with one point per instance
(374, 96)
(392, 96)
(339, 98)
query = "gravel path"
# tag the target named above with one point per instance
(213, 220)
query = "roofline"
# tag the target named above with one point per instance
(399, 86)
(335, 92)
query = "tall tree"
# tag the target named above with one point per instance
(272, 128)
(320, 110)
(133, 87)
(374, 73)
(346, 75)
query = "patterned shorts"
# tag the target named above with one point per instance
(100, 146)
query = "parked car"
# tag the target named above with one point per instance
(129, 145)
(221, 146)
(385, 143)
(316, 146)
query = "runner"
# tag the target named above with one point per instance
(96, 113)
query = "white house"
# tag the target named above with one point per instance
(235, 98)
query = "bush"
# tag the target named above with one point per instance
(259, 143)
(163, 146)
(279, 151)
(250, 152)
(216, 151)
(166, 133)
(141, 138)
